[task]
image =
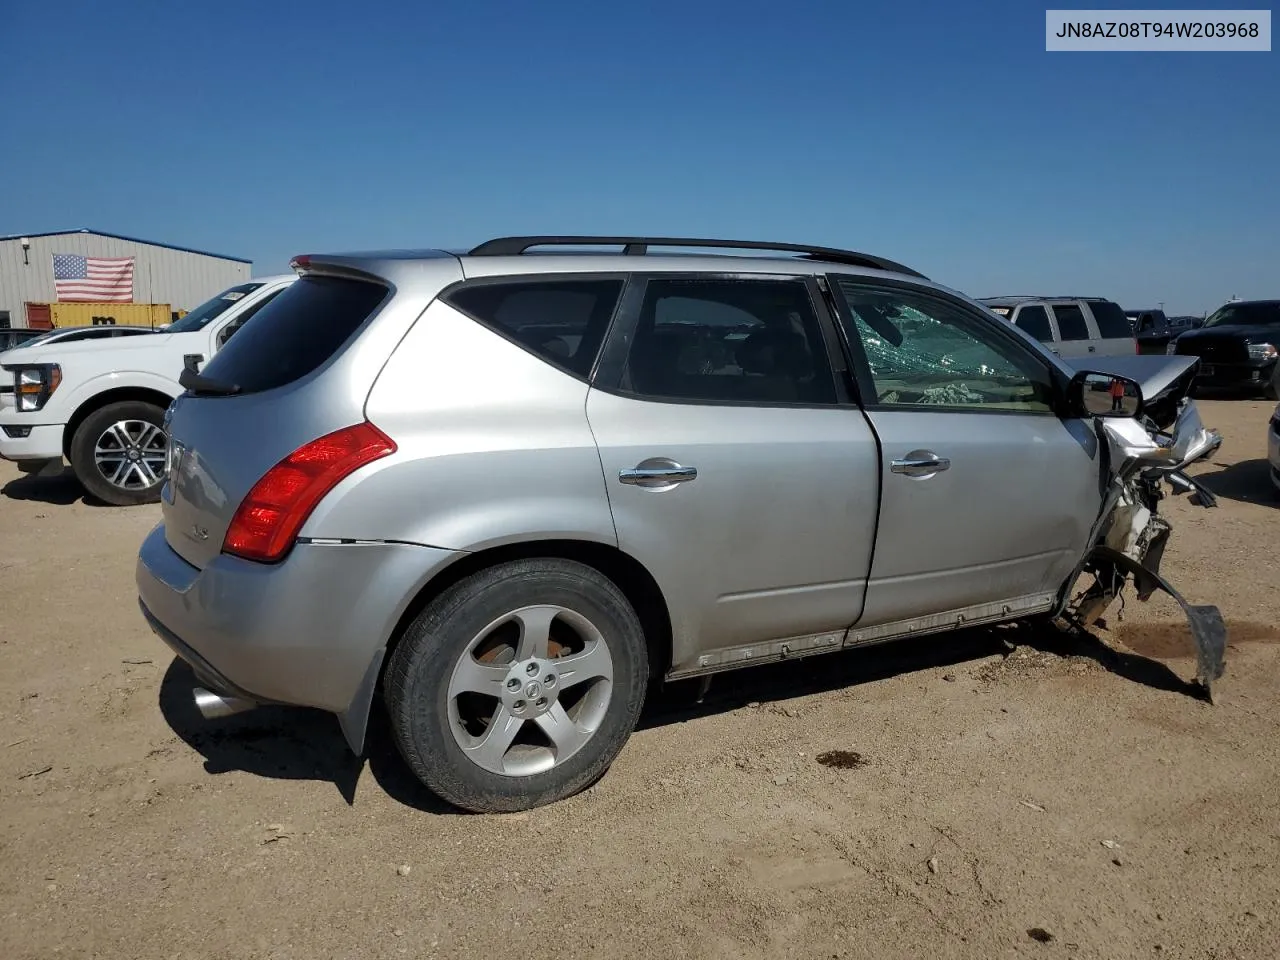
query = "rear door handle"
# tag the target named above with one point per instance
(657, 476)
(920, 465)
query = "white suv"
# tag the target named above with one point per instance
(101, 404)
(1070, 326)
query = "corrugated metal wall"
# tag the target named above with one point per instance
(160, 274)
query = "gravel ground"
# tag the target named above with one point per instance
(936, 798)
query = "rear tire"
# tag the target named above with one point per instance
(493, 714)
(118, 452)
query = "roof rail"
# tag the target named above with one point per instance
(639, 246)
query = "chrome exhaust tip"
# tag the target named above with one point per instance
(213, 706)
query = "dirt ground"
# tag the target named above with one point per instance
(1069, 799)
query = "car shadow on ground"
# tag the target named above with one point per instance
(1248, 481)
(61, 490)
(298, 744)
(288, 743)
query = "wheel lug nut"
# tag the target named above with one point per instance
(513, 684)
(549, 679)
(542, 701)
(518, 706)
(531, 669)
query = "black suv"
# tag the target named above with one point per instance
(1152, 330)
(1238, 346)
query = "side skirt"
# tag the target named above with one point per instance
(791, 648)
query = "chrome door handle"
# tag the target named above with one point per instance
(920, 466)
(657, 476)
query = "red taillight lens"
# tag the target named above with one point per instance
(269, 518)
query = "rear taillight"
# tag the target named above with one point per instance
(269, 518)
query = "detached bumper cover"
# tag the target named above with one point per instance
(1208, 629)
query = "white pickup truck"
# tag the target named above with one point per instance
(100, 404)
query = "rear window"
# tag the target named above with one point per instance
(295, 333)
(563, 321)
(1071, 325)
(1112, 323)
(1035, 320)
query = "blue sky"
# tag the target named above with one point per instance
(941, 135)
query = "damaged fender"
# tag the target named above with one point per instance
(1129, 536)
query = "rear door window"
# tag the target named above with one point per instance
(1035, 320)
(1112, 323)
(561, 320)
(296, 332)
(1071, 323)
(729, 341)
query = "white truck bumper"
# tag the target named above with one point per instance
(28, 444)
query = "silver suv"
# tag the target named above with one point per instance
(510, 489)
(1071, 327)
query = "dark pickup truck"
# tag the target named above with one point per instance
(1237, 346)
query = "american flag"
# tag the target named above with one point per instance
(90, 279)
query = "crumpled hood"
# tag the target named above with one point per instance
(1153, 373)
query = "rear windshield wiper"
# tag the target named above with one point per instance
(202, 386)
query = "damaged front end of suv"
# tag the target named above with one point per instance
(1148, 430)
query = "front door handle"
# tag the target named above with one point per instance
(658, 476)
(922, 464)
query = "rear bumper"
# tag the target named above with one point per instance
(301, 632)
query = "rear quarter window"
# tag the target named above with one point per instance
(562, 320)
(1112, 323)
(295, 333)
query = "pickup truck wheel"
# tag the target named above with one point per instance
(118, 453)
(518, 686)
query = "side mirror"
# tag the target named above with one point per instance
(1104, 395)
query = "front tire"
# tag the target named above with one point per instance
(518, 686)
(118, 453)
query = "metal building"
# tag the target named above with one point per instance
(162, 273)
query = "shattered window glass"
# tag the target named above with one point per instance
(925, 352)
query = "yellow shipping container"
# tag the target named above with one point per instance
(113, 314)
